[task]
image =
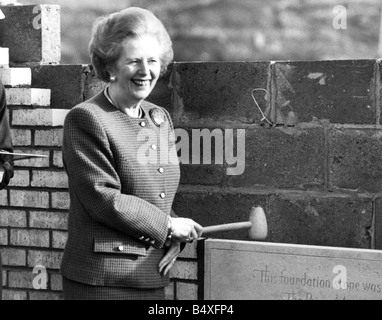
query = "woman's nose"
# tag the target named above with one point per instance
(144, 68)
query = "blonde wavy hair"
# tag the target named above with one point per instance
(110, 32)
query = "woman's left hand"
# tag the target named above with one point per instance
(170, 257)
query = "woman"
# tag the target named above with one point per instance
(122, 238)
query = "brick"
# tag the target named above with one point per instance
(16, 77)
(92, 84)
(4, 273)
(169, 291)
(29, 238)
(4, 57)
(3, 197)
(218, 91)
(186, 270)
(59, 239)
(56, 282)
(378, 224)
(20, 179)
(21, 137)
(26, 198)
(190, 251)
(13, 218)
(342, 91)
(49, 179)
(211, 207)
(13, 257)
(66, 83)
(20, 279)
(292, 158)
(186, 291)
(355, 159)
(39, 117)
(42, 295)
(57, 159)
(14, 295)
(48, 259)
(38, 162)
(32, 33)
(48, 220)
(60, 200)
(49, 138)
(323, 219)
(3, 237)
(28, 97)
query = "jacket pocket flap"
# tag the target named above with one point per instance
(118, 246)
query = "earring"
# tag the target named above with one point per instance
(113, 78)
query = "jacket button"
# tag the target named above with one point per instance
(154, 147)
(162, 195)
(120, 248)
(143, 124)
(161, 170)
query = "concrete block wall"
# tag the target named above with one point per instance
(312, 164)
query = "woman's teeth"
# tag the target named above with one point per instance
(141, 83)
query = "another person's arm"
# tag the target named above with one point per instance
(6, 161)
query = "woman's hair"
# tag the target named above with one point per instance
(109, 34)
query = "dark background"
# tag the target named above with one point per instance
(237, 30)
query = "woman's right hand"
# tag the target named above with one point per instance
(185, 230)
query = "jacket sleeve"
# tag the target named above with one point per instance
(5, 132)
(95, 183)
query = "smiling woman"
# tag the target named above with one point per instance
(123, 234)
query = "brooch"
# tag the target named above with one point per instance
(157, 116)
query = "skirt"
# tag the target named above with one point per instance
(79, 291)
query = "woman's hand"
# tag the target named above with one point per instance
(185, 230)
(169, 258)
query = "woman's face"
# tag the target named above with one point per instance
(138, 69)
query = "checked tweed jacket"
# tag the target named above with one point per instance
(121, 191)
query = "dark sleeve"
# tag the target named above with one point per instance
(5, 132)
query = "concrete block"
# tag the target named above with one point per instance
(341, 91)
(378, 224)
(66, 83)
(355, 159)
(32, 33)
(291, 158)
(16, 77)
(162, 93)
(219, 91)
(92, 84)
(4, 57)
(39, 117)
(28, 97)
(320, 219)
(218, 207)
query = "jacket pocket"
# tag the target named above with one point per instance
(118, 246)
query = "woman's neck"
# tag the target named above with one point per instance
(131, 109)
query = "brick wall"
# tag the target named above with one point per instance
(316, 170)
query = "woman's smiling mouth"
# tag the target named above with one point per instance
(141, 83)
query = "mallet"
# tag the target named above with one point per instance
(257, 225)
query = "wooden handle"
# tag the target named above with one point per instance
(227, 227)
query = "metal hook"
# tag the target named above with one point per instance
(261, 111)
